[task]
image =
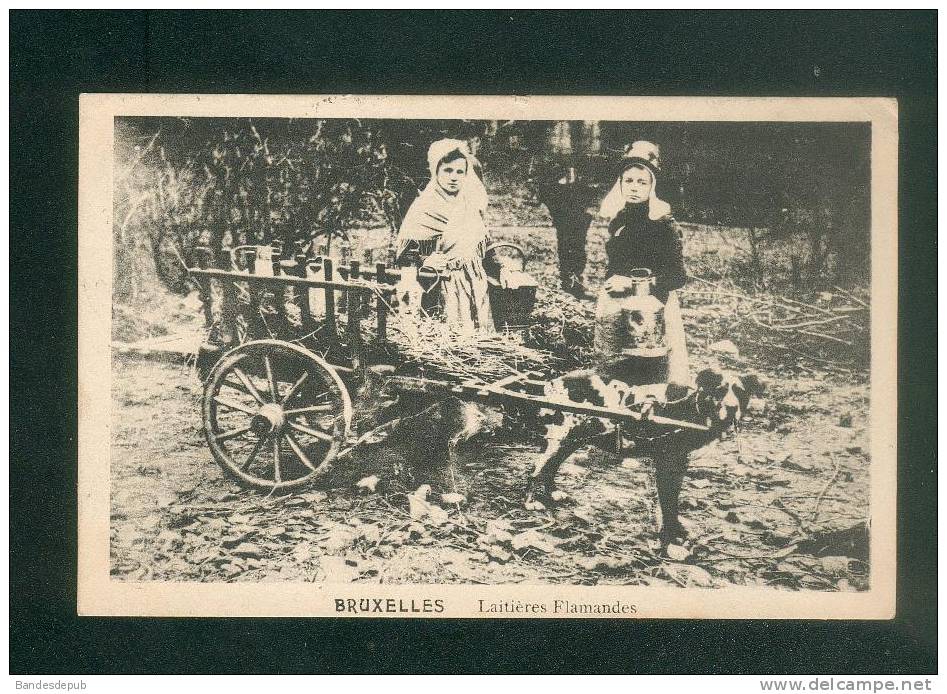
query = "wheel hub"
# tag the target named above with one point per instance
(268, 420)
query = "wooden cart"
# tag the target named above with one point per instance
(278, 410)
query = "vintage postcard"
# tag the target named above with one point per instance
(524, 356)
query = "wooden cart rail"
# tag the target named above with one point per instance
(346, 287)
(308, 282)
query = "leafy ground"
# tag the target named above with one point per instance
(783, 504)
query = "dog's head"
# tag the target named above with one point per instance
(722, 397)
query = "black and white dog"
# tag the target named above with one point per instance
(428, 434)
(717, 402)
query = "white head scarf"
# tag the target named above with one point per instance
(645, 154)
(473, 190)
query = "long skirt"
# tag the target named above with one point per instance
(466, 298)
(678, 362)
(611, 337)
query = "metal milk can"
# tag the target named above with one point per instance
(629, 321)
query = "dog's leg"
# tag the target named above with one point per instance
(670, 467)
(541, 482)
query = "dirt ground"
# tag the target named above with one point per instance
(784, 503)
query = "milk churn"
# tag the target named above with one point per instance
(644, 318)
(408, 291)
(630, 320)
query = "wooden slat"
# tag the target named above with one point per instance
(279, 293)
(330, 298)
(302, 295)
(228, 302)
(203, 257)
(354, 306)
(381, 326)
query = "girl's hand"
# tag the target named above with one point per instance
(617, 284)
(436, 261)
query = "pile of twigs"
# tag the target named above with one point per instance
(431, 343)
(830, 328)
(564, 326)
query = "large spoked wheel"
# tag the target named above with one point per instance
(275, 414)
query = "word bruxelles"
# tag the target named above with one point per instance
(388, 606)
(557, 607)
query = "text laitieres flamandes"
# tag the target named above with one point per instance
(560, 607)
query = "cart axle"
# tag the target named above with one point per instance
(270, 419)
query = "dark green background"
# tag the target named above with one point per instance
(56, 55)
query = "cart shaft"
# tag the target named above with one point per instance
(499, 392)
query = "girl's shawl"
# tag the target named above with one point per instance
(456, 220)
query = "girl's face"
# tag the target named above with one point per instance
(636, 184)
(451, 175)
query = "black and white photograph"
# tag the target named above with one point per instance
(571, 366)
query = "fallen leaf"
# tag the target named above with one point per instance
(697, 576)
(247, 549)
(168, 537)
(835, 564)
(232, 541)
(338, 570)
(338, 541)
(370, 532)
(573, 470)
(533, 539)
(368, 484)
(602, 563)
(725, 347)
(677, 552)
(423, 510)
(785, 551)
(231, 569)
(756, 524)
(799, 467)
(453, 498)
(498, 553)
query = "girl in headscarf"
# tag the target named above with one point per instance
(643, 234)
(444, 229)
